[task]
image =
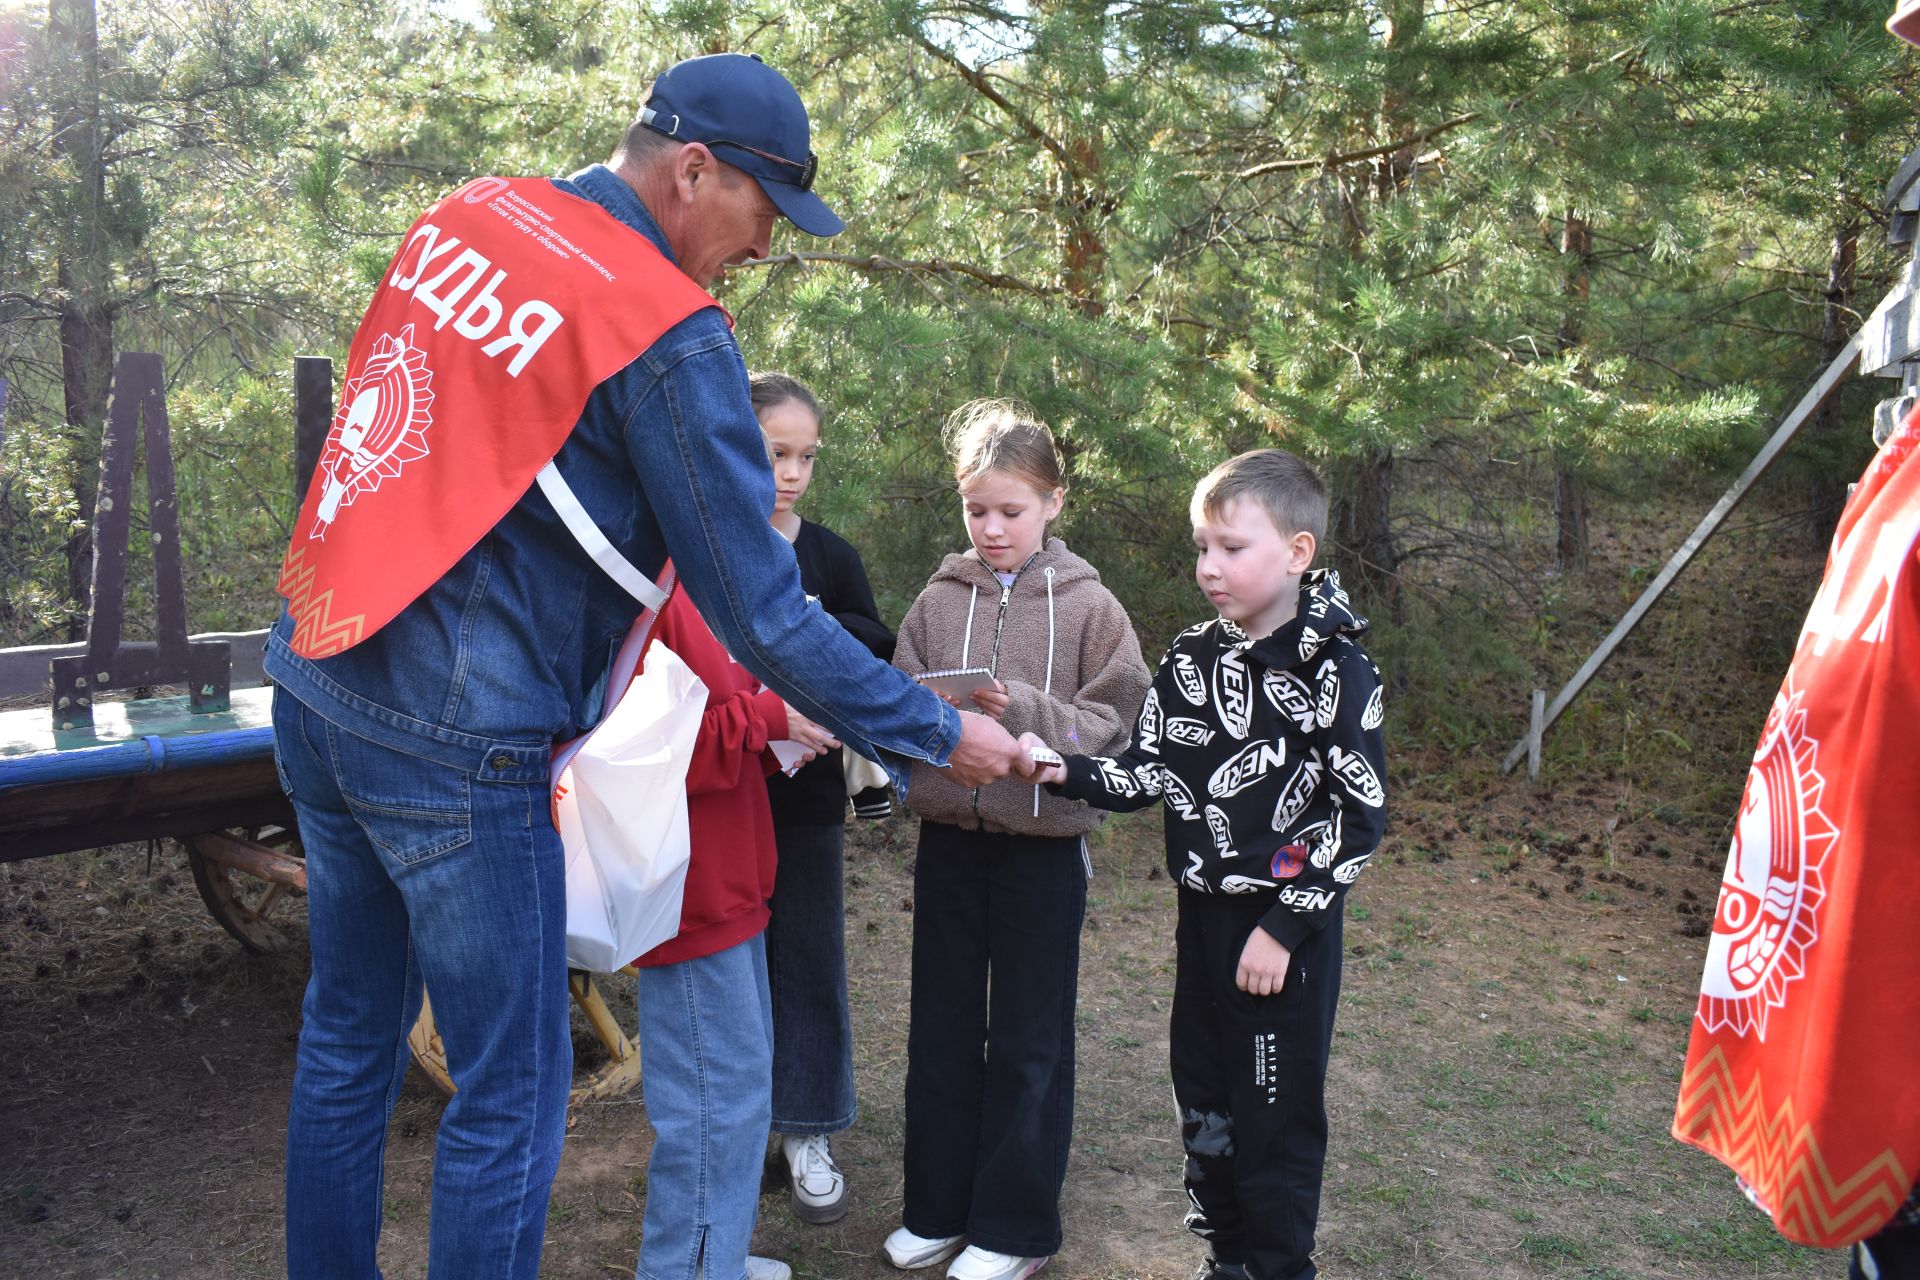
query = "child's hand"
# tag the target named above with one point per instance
(992, 702)
(816, 738)
(1263, 964)
(1042, 773)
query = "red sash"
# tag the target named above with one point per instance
(508, 302)
(1803, 1073)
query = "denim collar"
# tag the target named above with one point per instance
(610, 191)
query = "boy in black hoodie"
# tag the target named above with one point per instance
(1261, 739)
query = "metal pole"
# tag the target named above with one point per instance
(1816, 396)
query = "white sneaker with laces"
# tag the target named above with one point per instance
(910, 1252)
(819, 1188)
(768, 1269)
(984, 1264)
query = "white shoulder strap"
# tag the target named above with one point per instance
(594, 542)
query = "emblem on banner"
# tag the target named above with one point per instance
(1768, 915)
(384, 416)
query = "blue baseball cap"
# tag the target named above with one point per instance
(738, 104)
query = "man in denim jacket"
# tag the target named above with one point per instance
(417, 760)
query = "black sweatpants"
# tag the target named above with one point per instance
(1249, 1078)
(996, 965)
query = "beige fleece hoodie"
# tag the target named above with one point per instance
(1069, 660)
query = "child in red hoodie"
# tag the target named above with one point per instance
(706, 1023)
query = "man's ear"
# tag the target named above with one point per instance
(692, 163)
(1300, 552)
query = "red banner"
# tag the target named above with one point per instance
(508, 302)
(1803, 1073)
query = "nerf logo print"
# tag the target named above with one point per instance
(1352, 768)
(1222, 832)
(1243, 884)
(1176, 794)
(1375, 710)
(1288, 694)
(1309, 642)
(1253, 763)
(1149, 730)
(1306, 899)
(484, 317)
(1348, 872)
(1191, 877)
(1187, 678)
(1117, 780)
(1298, 793)
(1329, 703)
(1233, 690)
(1188, 732)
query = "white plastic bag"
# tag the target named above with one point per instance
(620, 802)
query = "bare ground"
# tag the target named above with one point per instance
(1518, 985)
(1520, 976)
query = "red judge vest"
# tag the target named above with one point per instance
(509, 301)
(1803, 1073)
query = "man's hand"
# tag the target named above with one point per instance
(1263, 964)
(985, 752)
(992, 702)
(1045, 773)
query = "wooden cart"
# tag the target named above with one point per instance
(87, 767)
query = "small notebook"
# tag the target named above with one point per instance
(959, 682)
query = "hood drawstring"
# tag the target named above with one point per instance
(966, 644)
(1049, 685)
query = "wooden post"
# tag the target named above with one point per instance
(312, 415)
(1535, 728)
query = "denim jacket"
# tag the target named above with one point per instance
(509, 650)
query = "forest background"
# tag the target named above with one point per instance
(1508, 272)
(1529, 280)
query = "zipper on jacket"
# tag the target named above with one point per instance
(999, 628)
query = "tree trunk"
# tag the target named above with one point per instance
(1827, 492)
(1363, 530)
(1570, 541)
(84, 275)
(1083, 207)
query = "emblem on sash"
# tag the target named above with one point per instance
(1768, 914)
(382, 426)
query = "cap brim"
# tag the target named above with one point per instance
(804, 209)
(1905, 21)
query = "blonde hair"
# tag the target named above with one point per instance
(1283, 486)
(1002, 435)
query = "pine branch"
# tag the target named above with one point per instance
(1350, 157)
(1027, 125)
(932, 266)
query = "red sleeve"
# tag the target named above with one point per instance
(738, 722)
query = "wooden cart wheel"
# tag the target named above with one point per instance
(616, 1079)
(429, 1054)
(245, 878)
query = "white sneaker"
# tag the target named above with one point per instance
(819, 1188)
(910, 1252)
(984, 1264)
(768, 1269)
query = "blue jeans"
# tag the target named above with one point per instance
(807, 971)
(706, 1064)
(416, 870)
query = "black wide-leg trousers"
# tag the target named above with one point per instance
(1249, 1078)
(996, 965)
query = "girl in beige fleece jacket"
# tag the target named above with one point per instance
(1000, 881)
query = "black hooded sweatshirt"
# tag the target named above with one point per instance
(1267, 756)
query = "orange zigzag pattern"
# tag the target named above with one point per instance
(315, 632)
(1778, 1156)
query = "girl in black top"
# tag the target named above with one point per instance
(806, 952)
